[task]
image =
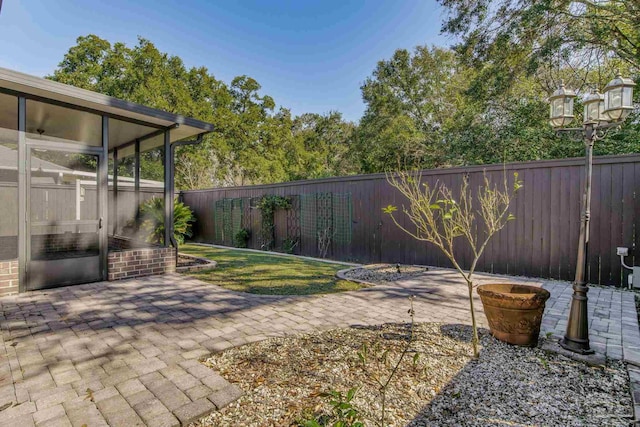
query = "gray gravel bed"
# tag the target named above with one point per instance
(378, 273)
(511, 385)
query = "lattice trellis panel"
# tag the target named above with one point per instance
(218, 220)
(237, 211)
(342, 219)
(308, 223)
(325, 220)
(227, 225)
(293, 224)
(246, 213)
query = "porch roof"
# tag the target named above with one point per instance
(132, 121)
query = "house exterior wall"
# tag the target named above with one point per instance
(8, 277)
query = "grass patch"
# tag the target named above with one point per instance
(269, 274)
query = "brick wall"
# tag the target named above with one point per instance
(138, 262)
(121, 264)
(8, 277)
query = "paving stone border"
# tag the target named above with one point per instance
(205, 264)
(342, 275)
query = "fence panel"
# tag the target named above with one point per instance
(540, 242)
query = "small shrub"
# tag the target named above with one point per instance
(242, 238)
(289, 245)
(344, 414)
(437, 217)
(152, 217)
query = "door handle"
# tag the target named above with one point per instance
(100, 223)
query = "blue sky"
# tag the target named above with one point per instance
(310, 56)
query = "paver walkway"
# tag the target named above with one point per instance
(126, 353)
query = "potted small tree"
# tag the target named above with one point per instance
(514, 312)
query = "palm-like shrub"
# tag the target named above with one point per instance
(152, 217)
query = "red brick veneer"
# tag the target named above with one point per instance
(138, 262)
(9, 277)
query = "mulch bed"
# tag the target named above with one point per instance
(284, 380)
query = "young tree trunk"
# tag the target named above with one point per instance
(475, 340)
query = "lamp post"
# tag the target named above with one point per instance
(601, 111)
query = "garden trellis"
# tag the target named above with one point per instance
(319, 222)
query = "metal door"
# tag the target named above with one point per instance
(66, 240)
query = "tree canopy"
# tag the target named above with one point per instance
(252, 141)
(506, 38)
(482, 101)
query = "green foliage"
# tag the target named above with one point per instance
(434, 108)
(408, 102)
(344, 414)
(289, 245)
(252, 142)
(267, 206)
(152, 217)
(322, 147)
(389, 209)
(242, 238)
(482, 102)
(525, 35)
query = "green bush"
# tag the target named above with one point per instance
(152, 220)
(242, 238)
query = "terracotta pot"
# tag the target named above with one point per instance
(514, 311)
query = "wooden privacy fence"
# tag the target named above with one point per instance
(540, 242)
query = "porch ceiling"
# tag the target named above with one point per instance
(129, 120)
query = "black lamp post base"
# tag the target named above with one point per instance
(581, 346)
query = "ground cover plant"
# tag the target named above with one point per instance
(268, 273)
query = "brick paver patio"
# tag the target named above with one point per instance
(126, 353)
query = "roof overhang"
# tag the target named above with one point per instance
(80, 99)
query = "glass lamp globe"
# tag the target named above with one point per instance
(594, 109)
(618, 98)
(561, 109)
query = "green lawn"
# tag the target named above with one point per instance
(268, 274)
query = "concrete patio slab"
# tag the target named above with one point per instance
(126, 353)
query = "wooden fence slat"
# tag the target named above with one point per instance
(541, 241)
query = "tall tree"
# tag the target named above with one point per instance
(251, 142)
(433, 107)
(506, 38)
(409, 98)
(323, 146)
